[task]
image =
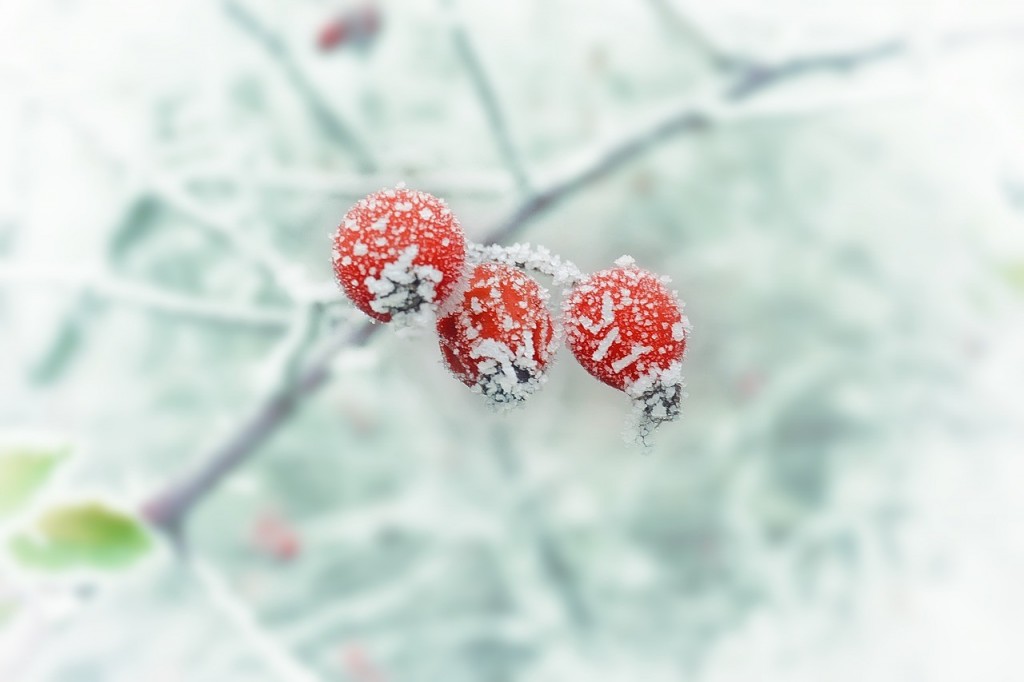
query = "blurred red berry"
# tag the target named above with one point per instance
(399, 252)
(498, 338)
(276, 538)
(358, 26)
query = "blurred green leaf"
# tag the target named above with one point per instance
(85, 535)
(1014, 273)
(23, 471)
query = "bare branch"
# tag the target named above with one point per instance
(492, 109)
(757, 76)
(687, 29)
(329, 120)
(261, 643)
(167, 509)
(601, 165)
(148, 298)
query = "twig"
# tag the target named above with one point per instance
(260, 642)
(168, 508)
(492, 109)
(147, 297)
(601, 165)
(333, 125)
(757, 76)
(172, 194)
(691, 32)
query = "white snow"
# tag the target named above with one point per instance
(606, 343)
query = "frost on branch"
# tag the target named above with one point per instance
(527, 257)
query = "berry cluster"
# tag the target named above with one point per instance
(401, 255)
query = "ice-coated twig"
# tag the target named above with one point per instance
(758, 76)
(690, 31)
(168, 509)
(492, 108)
(329, 120)
(260, 643)
(172, 193)
(527, 257)
(146, 297)
(599, 166)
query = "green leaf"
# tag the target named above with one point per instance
(85, 535)
(1014, 274)
(23, 471)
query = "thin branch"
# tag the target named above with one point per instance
(475, 184)
(686, 120)
(687, 29)
(168, 508)
(757, 77)
(332, 124)
(148, 298)
(261, 643)
(172, 193)
(492, 109)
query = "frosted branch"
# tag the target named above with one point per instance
(527, 257)
(329, 120)
(260, 642)
(148, 298)
(492, 109)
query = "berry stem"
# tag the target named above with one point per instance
(527, 257)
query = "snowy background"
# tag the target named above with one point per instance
(836, 189)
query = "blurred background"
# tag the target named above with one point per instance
(210, 470)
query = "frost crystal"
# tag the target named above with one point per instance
(404, 290)
(657, 398)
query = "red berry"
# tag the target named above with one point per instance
(332, 34)
(498, 338)
(627, 329)
(358, 26)
(399, 252)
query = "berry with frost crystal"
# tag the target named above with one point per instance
(628, 330)
(499, 337)
(399, 252)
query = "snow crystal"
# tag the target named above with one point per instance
(403, 290)
(606, 343)
(360, 249)
(625, 261)
(527, 257)
(678, 331)
(505, 378)
(635, 354)
(657, 398)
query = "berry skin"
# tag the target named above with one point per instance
(499, 337)
(399, 252)
(628, 330)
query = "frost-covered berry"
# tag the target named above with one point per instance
(399, 252)
(627, 329)
(499, 337)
